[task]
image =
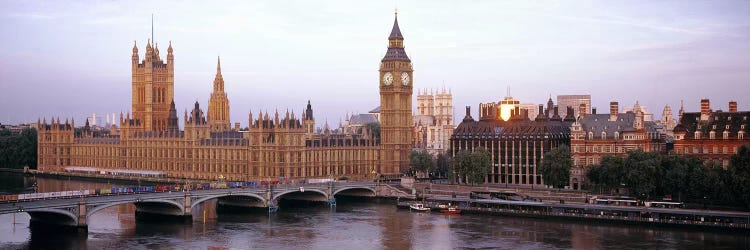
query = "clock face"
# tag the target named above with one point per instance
(405, 78)
(387, 78)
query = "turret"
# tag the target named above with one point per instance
(172, 126)
(169, 50)
(308, 121)
(250, 119)
(135, 55)
(156, 52)
(309, 111)
(149, 54)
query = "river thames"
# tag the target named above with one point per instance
(353, 224)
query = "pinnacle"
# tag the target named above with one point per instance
(396, 31)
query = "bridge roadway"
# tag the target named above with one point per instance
(75, 211)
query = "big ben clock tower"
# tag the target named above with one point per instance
(396, 83)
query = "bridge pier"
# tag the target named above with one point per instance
(82, 216)
(69, 220)
(187, 209)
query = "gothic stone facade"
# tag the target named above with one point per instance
(272, 146)
(433, 125)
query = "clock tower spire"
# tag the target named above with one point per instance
(396, 84)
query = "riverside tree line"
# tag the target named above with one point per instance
(645, 175)
(18, 149)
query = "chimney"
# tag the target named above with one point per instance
(236, 126)
(468, 118)
(582, 109)
(732, 106)
(556, 114)
(593, 110)
(540, 116)
(705, 107)
(614, 109)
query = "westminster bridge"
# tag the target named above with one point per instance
(75, 211)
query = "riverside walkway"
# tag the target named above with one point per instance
(618, 214)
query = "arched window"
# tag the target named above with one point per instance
(591, 135)
(617, 135)
(604, 135)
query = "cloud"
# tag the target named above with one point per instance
(620, 20)
(32, 16)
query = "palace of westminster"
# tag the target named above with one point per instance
(274, 145)
(288, 145)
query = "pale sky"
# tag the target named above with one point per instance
(71, 59)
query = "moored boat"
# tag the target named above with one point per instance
(419, 207)
(451, 210)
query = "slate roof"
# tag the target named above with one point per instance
(487, 129)
(362, 119)
(396, 54)
(717, 122)
(424, 120)
(598, 123)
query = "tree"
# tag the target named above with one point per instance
(650, 175)
(642, 171)
(421, 162)
(18, 150)
(739, 170)
(609, 174)
(555, 166)
(442, 165)
(472, 167)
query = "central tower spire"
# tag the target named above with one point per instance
(219, 80)
(218, 104)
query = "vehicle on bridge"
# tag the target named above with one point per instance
(141, 189)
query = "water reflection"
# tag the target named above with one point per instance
(355, 224)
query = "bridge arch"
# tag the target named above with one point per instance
(48, 215)
(346, 189)
(209, 197)
(299, 193)
(98, 208)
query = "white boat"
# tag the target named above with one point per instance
(419, 207)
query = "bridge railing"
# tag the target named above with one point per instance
(84, 193)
